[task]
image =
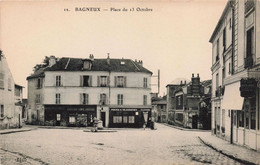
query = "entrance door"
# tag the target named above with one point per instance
(103, 118)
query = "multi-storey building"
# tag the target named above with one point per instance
(185, 99)
(73, 91)
(159, 107)
(9, 114)
(236, 73)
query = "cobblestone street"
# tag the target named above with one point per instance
(165, 145)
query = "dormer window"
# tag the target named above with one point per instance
(122, 62)
(87, 64)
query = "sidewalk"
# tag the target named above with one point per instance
(14, 130)
(239, 153)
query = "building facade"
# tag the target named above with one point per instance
(74, 91)
(9, 114)
(159, 109)
(236, 74)
(185, 99)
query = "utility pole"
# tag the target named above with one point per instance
(158, 81)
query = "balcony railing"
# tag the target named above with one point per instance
(219, 91)
(249, 5)
(248, 62)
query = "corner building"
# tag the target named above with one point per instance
(72, 91)
(236, 74)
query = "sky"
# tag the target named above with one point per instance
(170, 35)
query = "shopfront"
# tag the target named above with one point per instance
(70, 115)
(129, 117)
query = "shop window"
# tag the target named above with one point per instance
(58, 80)
(58, 117)
(145, 83)
(131, 119)
(235, 118)
(2, 81)
(2, 110)
(125, 119)
(57, 98)
(119, 99)
(117, 119)
(240, 118)
(253, 113)
(86, 81)
(72, 119)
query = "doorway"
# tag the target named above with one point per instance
(103, 118)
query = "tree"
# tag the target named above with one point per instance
(44, 64)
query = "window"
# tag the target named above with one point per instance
(119, 99)
(131, 119)
(223, 121)
(103, 99)
(229, 68)
(84, 98)
(250, 42)
(230, 23)
(57, 98)
(224, 39)
(145, 99)
(87, 64)
(2, 81)
(58, 80)
(125, 119)
(86, 81)
(58, 117)
(2, 111)
(217, 81)
(72, 119)
(38, 99)
(9, 84)
(179, 100)
(240, 118)
(39, 83)
(145, 83)
(102, 81)
(120, 81)
(117, 119)
(217, 57)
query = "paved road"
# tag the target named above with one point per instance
(165, 145)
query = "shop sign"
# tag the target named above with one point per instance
(247, 87)
(145, 109)
(122, 109)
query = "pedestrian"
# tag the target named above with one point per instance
(144, 125)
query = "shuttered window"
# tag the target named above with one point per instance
(84, 98)
(2, 81)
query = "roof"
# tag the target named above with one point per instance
(18, 86)
(219, 22)
(178, 81)
(159, 102)
(206, 82)
(76, 64)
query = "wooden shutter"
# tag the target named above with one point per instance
(81, 98)
(81, 81)
(87, 99)
(115, 81)
(98, 81)
(108, 80)
(90, 81)
(124, 81)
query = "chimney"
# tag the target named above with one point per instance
(91, 57)
(198, 75)
(181, 82)
(195, 80)
(52, 61)
(192, 74)
(140, 62)
(108, 59)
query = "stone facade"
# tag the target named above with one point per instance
(116, 91)
(235, 74)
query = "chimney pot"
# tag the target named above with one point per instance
(198, 75)
(192, 74)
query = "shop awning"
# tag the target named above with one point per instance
(232, 99)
